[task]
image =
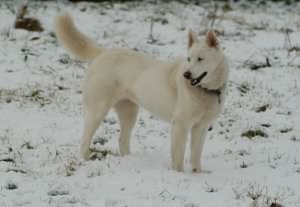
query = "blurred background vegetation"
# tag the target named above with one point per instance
(183, 1)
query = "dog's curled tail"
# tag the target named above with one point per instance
(73, 40)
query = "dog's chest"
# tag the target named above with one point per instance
(197, 104)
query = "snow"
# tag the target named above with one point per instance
(41, 111)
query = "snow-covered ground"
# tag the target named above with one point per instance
(41, 110)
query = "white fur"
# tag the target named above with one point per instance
(123, 79)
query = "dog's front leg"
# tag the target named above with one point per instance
(198, 135)
(178, 141)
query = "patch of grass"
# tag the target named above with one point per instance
(295, 139)
(275, 204)
(110, 121)
(244, 88)
(295, 48)
(37, 96)
(51, 38)
(259, 195)
(257, 66)
(34, 38)
(34, 95)
(27, 145)
(16, 170)
(8, 160)
(71, 167)
(27, 23)
(243, 152)
(244, 165)
(250, 134)
(286, 130)
(30, 24)
(255, 192)
(11, 186)
(226, 7)
(97, 154)
(210, 189)
(266, 125)
(58, 193)
(7, 95)
(262, 108)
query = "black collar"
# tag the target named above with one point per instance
(216, 92)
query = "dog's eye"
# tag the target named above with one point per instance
(200, 59)
(188, 59)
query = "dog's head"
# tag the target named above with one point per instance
(204, 56)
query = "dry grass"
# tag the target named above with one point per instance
(250, 134)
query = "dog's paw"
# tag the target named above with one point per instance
(124, 152)
(199, 170)
(178, 168)
(85, 154)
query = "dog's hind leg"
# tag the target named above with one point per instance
(94, 115)
(127, 112)
(198, 136)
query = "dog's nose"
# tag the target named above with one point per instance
(187, 74)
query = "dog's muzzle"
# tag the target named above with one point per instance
(196, 81)
(187, 75)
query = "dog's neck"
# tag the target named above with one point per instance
(217, 92)
(214, 88)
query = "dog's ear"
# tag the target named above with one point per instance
(192, 38)
(211, 39)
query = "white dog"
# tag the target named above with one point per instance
(189, 93)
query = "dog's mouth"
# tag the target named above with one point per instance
(197, 80)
